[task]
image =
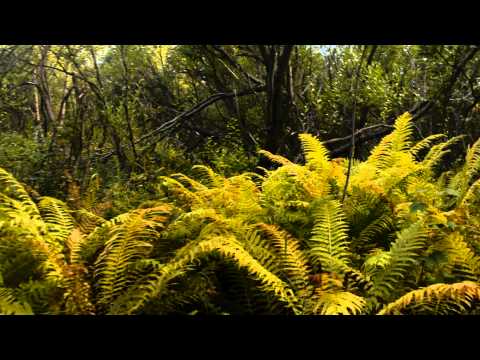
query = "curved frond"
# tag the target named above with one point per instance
(472, 161)
(401, 257)
(226, 246)
(293, 261)
(336, 303)
(11, 187)
(456, 296)
(425, 143)
(58, 219)
(212, 179)
(399, 140)
(275, 158)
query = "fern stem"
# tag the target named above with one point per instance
(352, 150)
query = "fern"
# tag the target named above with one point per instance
(275, 158)
(315, 152)
(401, 257)
(472, 161)
(383, 155)
(212, 179)
(424, 144)
(292, 259)
(228, 247)
(10, 187)
(127, 243)
(58, 220)
(437, 152)
(9, 305)
(460, 256)
(336, 303)
(87, 221)
(457, 297)
(329, 236)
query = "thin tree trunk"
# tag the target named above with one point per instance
(125, 102)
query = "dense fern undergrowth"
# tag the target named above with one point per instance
(405, 240)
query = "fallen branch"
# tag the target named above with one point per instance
(179, 119)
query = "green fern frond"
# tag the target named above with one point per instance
(58, 219)
(9, 305)
(472, 161)
(87, 221)
(127, 243)
(11, 187)
(258, 247)
(377, 259)
(382, 225)
(97, 238)
(329, 235)
(402, 256)
(462, 260)
(180, 191)
(197, 186)
(471, 195)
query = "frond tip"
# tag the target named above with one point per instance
(337, 303)
(316, 153)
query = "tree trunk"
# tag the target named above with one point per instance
(276, 60)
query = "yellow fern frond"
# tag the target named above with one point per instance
(293, 260)
(212, 179)
(425, 143)
(316, 154)
(74, 243)
(193, 183)
(275, 158)
(228, 247)
(398, 141)
(462, 294)
(127, 242)
(472, 160)
(337, 303)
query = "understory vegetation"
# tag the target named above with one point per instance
(239, 180)
(405, 240)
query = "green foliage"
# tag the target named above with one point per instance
(281, 243)
(328, 243)
(19, 155)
